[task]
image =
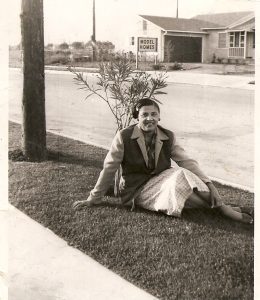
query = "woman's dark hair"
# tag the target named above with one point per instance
(141, 103)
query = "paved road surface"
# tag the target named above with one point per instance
(215, 125)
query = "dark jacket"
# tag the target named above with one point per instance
(135, 172)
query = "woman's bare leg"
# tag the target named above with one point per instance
(202, 199)
(194, 201)
(206, 197)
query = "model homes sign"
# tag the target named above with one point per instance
(147, 44)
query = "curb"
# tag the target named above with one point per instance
(232, 184)
(82, 69)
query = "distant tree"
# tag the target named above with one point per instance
(64, 46)
(33, 102)
(108, 46)
(49, 46)
(104, 50)
(88, 44)
(78, 45)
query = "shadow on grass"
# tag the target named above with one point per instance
(213, 219)
(203, 217)
(58, 157)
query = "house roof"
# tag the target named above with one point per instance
(224, 19)
(180, 24)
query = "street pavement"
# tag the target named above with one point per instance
(42, 266)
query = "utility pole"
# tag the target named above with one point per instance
(94, 23)
(93, 37)
(33, 101)
(177, 10)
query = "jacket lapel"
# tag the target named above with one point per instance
(137, 134)
(142, 146)
(160, 137)
(158, 147)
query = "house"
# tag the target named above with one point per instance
(203, 38)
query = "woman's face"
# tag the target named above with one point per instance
(148, 118)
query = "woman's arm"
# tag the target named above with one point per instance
(111, 164)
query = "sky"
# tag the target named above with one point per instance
(71, 20)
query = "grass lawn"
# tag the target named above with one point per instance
(199, 256)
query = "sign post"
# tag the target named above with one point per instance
(146, 44)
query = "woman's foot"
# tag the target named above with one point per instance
(235, 215)
(247, 219)
(244, 209)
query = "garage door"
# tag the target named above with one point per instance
(182, 49)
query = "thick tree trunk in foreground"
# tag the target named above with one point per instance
(33, 103)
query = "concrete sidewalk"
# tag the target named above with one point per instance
(42, 266)
(224, 81)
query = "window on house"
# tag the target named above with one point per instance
(222, 36)
(237, 39)
(242, 39)
(144, 26)
(132, 40)
(254, 40)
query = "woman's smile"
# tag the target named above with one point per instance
(148, 118)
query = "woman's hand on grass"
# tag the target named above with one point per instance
(77, 205)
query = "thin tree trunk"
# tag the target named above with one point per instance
(33, 103)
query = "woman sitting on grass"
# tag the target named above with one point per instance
(149, 179)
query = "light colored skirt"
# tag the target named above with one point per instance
(168, 191)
